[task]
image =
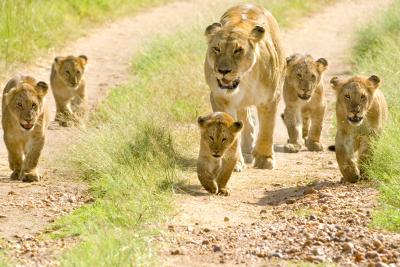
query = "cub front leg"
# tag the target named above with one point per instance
(15, 158)
(263, 151)
(80, 103)
(228, 164)
(317, 120)
(364, 153)
(206, 177)
(29, 170)
(344, 147)
(291, 118)
(64, 114)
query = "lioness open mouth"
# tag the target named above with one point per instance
(27, 126)
(355, 119)
(230, 85)
(304, 97)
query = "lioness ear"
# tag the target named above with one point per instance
(335, 82)
(42, 88)
(257, 33)
(201, 121)
(236, 126)
(322, 64)
(83, 59)
(212, 29)
(374, 82)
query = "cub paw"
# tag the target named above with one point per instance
(30, 177)
(15, 175)
(263, 162)
(248, 158)
(66, 123)
(292, 148)
(224, 192)
(314, 146)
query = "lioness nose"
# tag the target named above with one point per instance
(224, 70)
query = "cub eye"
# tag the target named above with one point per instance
(216, 49)
(78, 72)
(347, 96)
(299, 76)
(19, 105)
(363, 96)
(211, 138)
(34, 105)
(67, 72)
(223, 140)
(238, 51)
(313, 77)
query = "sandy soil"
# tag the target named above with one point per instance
(299, 211)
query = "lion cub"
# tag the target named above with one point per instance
(218, 151)
(361, 111)
(25, 120)
(304, 97)
(68, 86)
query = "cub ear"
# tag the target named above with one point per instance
(42, 88)
(374, 82)
(257, 33)
(212, 29)
(322, 64)
(83, 59)
(291, 59)
(335, 83)
(201, 121)
(57, 63)
(8, 96)
(236, 126)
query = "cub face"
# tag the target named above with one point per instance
(25, 103)
(70, 69)
(355, 96)
(231, 54)
(218, 132)
(304, 74)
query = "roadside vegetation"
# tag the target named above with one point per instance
(378, 52)
(139, 144)
(30, 28)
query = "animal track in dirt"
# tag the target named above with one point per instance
(299, 211)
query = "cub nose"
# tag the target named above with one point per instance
(224, 71)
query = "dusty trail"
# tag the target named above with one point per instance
(26, 209)
(299, 211)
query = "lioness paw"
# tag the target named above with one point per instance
(224, 192)
(240, 166)
(248, 158)
(292, 148)
(314, 146)
(263, 162)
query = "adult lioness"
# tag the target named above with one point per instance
(218, 151)
(68, 86)
(244, 66)
(304, 97)
(24, 121)
(361, 111)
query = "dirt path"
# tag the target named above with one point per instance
(299, 211)
(26, 209)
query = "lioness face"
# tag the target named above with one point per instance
(231, 54)
(26, 104)
(304, 74)
(71, 69)
(218, 132)
(355, 96)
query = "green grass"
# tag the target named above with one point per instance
(30, 28)
(378, 52)
(138, 146)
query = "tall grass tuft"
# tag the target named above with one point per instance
(378, 52)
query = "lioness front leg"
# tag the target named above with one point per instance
(317, 120)
(29, 168)
(264, 150)
(347, 162)
(291, 118)
(247, 135)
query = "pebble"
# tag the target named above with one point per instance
(309, 190)
(348, 247)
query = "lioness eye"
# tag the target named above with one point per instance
(347, 96)
(216, 49)
(238, 51)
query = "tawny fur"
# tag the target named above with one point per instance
(218, 151)
(246, 46)
(305, 102)
(361, 112)
(69, 89)
(25, 120)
